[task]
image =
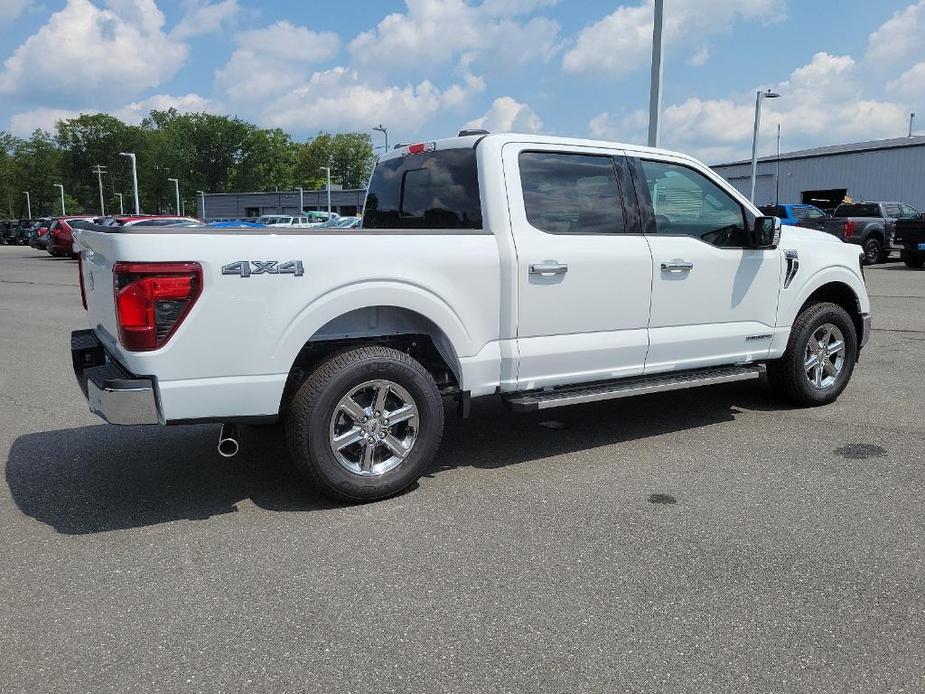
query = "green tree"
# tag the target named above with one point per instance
(312, 155)
(352, 159)
(36, 162)
(11, 197)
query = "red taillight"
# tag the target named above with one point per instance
(80, 274)
(847, 229)
(152, 299)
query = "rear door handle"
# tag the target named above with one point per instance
(677, 266)
(547, 269)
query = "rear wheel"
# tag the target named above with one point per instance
(366, 424)
(913, 259)
(820, 357)
(874, 251)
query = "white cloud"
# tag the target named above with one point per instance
(273, 60)
(206, 18)
(508, 115)
(339, 99)
(11, 9)
(24, 124)
(700, 57)
(435, 32)
(911, 85)
(185, 103)
(823, 103)
(113, 53)
(621, 42)
(901, 37)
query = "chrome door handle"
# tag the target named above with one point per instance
(677, 266)
(547, 269)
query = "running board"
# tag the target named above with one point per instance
(628, 387)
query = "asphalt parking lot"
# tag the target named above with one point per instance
(699, 541)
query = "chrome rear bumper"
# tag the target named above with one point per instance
(113, 393)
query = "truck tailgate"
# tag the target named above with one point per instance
(96, 260)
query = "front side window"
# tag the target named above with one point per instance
(571, 193)
(430, 190)
(893, 211)
(687, 202)
(909, 212)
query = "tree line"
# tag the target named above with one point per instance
(203, 151)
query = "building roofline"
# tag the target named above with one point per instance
(293, 192)
(830, 150)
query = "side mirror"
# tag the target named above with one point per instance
(765, 233)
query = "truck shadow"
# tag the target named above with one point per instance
(99, 478)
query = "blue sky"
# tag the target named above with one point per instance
(848, 70)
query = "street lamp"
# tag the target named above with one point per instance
(758, 99)
(202, 207)
(301, 200)
(328, 170)
(911, 119)
(28, 204)
(176, 185)
(655, 85)
(131, 155)
(385, 131)
(99, 170)
(121, 208)
(61, 188)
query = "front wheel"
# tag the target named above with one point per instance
(366, 424)
(820, 356)
(913, 259)
(874, 251)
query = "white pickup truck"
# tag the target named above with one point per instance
(542, 270)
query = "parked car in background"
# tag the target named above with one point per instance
(793, 214)
(236, 224)
(15, 232)
(869, 224)
(6, 230)
(60, 240)
(150, 220)
(341, 223)
(38, 234)
(910, 236)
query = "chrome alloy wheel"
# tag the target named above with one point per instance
(374, 428)
(825, 356)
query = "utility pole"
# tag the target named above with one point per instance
(99, 170)
(61, 188)
(777, 175)
(384, 131)
(655, 85)
(176, 185)
(758, 99)
(328, 170)
(28, 204)
(131, 155)
(121, 207)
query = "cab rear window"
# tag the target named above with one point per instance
(431, 190)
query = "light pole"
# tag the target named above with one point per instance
(131, 155)
(758, 99)
(99, 170)
(121, 208)
(655, 85)
(301, 200)
(911, 119)
(176, 185)
(28, 204)
(202, 207)
(61, 188)
(328, 170)
(777, 175)
(384, 131)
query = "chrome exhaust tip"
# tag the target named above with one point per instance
(228, 445)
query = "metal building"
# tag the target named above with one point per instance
(878, 170)
(242, 205)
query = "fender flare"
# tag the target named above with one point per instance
(366, 294)
(827, 275)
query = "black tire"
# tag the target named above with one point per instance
(787, 375)
(874, 251)
(913, 259)
(315, 404)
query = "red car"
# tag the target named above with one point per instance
(60, 238)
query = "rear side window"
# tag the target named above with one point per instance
(571, 193)
(857, 210)
(431, 190)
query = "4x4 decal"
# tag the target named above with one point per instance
(246, 268)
